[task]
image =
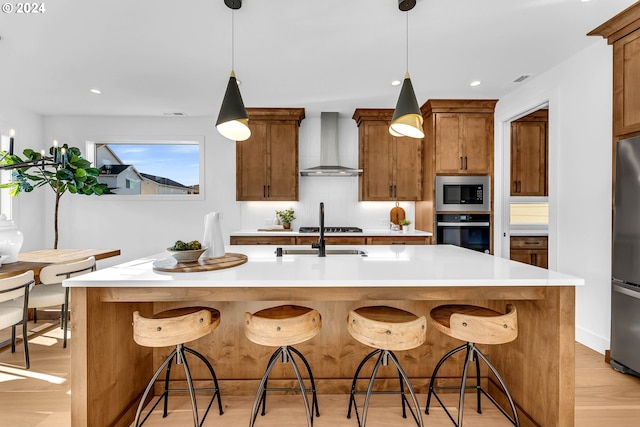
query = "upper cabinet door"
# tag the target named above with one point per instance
(392, 167)
(448, 137)
(283, 161)
(251, 164)
(408, 168)
(464, 143)
(377, 162)
(267, 162)
(529, 156)
(478, 143)
(626, 84)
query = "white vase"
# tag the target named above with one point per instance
(213, 240)
(10, 239)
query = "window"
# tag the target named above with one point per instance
(150, 168)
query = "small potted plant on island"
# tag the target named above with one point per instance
(285, 217)
(404, 224)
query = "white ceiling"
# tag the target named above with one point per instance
(150, 57)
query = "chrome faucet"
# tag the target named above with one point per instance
(320, 245)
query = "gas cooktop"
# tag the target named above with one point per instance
(330, 230)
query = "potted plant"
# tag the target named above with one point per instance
(285, 217)
(64, 170)
(404, 224)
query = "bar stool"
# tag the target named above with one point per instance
(175, 328)
(386, 329)
(282, 327)
(475, 325)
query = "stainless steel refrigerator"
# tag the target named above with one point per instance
(625, 283)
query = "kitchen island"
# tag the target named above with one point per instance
(109, 371)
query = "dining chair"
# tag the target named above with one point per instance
(50, 292)
(14, 300)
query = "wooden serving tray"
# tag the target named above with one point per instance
(203, 264)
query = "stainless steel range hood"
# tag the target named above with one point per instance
(329, 165)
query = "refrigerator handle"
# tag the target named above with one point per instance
(626, 291)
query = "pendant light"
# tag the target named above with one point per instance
(407, 119)
(233, 121)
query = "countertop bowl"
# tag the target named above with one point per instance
(190, 255)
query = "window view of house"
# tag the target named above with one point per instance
(162, 168)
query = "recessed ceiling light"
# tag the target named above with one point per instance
(396, 83)
(475, 83)
(584, 1)
(96, 91)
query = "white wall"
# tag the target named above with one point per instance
(579, 92)
(141, 227)
(27, 209)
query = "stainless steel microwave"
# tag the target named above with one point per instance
(463, 193)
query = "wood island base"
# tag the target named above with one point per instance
(109, 371)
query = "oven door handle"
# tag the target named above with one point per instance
(463, 224)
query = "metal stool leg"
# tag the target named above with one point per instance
(367, 397)
(215, 382)
(463, 383)
(303, 390)
(165, 395)
(352, 398)
(261, 387)
(404, 378)
(478, 386)
(433, 379)
(313, 383)
(136, 422)
(192, 394)
(514, 420)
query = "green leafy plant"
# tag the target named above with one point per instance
(286, 216)
(405, 222)
(71, 173)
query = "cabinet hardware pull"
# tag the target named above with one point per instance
(461, 163)
(391, 191)
(268, 191)
(264, 191)
(465, 163)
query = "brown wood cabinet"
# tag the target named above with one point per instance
(529, 155)
(623, 32)
(458, 141)
(530, 250)
(263, 240)
(267, 162)
(331, 240)
(462, 134)
(392, 167)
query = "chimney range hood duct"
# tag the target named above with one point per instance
(329, 150)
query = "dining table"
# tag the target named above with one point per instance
(36, 260)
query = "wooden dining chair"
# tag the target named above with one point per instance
(50, 291)
(14, 300)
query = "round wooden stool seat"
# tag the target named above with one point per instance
(284, 325)
(475, 324)
(387, 328)
(173, 327)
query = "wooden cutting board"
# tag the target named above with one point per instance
(170, 265)
(397, 214)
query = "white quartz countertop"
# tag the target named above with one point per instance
(365, 233)
(384, 265)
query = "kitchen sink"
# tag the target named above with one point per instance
(328, 252)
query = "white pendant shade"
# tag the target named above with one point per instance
(235, 130)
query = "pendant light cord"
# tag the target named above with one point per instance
(407, 34)
(233, 49)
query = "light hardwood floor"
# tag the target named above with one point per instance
(41, 397)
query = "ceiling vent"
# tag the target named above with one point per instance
(522, 78)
